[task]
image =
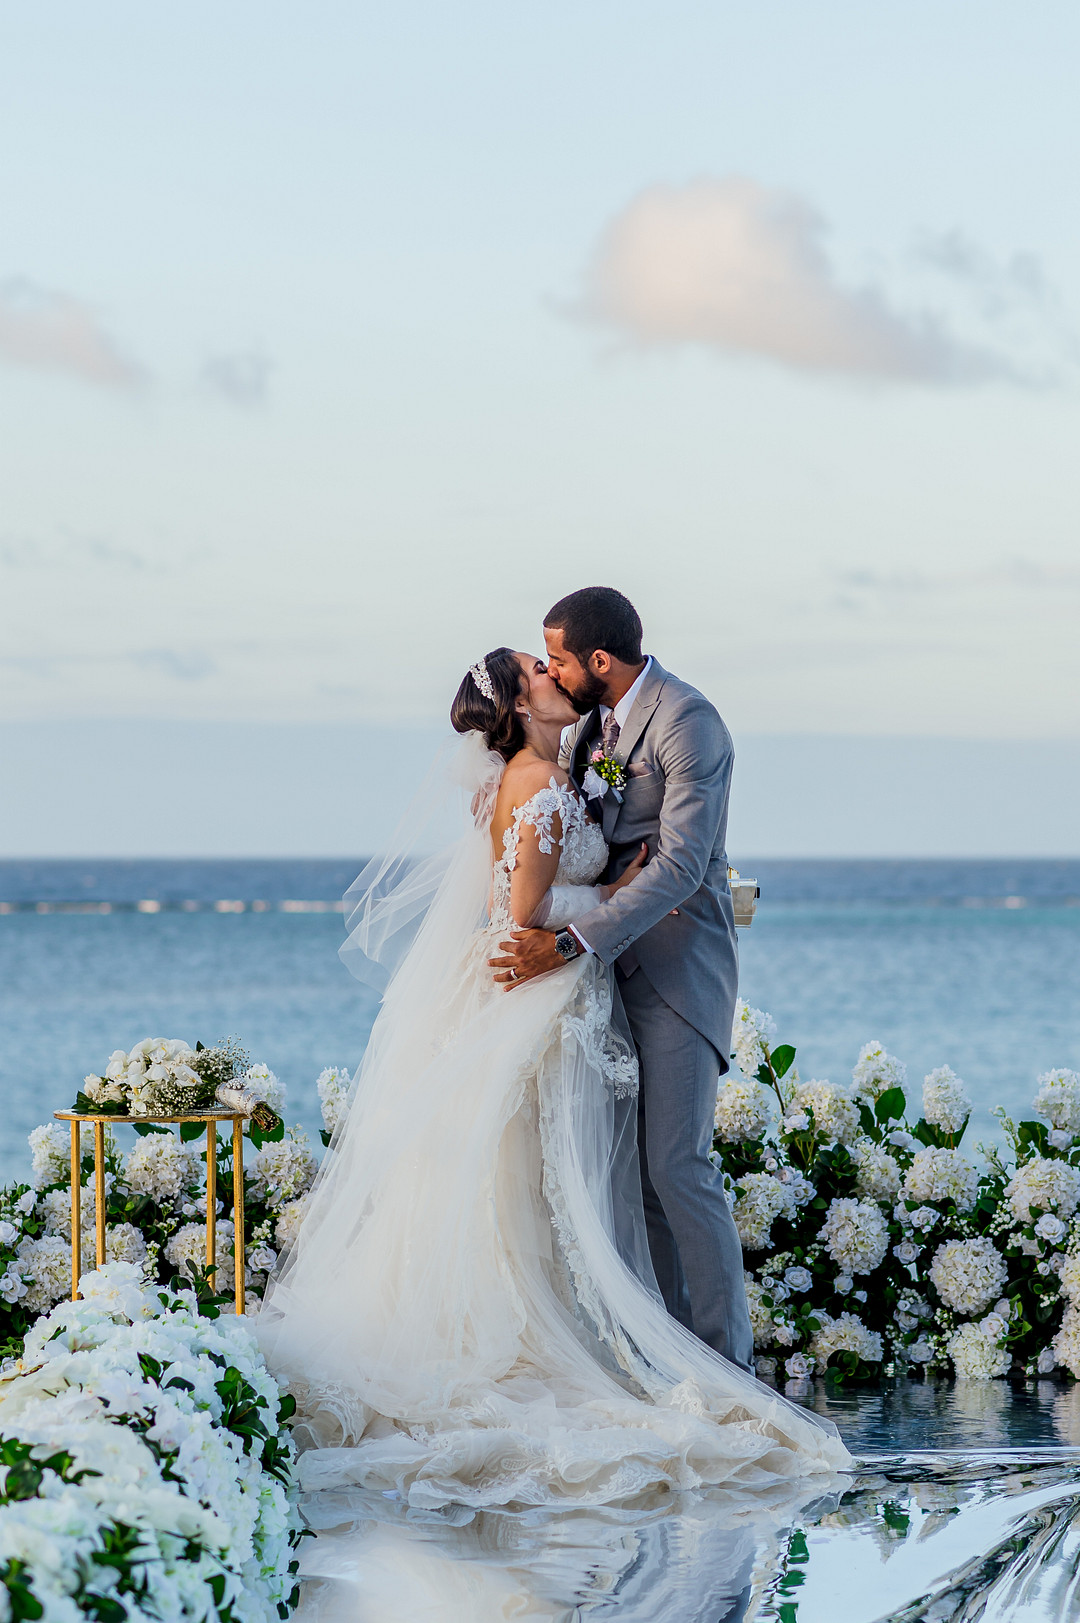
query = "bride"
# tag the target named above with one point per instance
(469, 1313)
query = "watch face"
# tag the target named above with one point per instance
(566, 946)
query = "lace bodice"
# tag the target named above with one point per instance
(583, 849)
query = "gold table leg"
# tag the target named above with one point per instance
(238, 1208)
(211, 1193)
(99, 1189)
(76, 1212)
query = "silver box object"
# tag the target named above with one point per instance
(744, 896)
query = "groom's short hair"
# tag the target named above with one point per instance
(597, 617)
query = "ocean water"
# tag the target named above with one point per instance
(971, 964)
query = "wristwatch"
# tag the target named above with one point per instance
(567, 946)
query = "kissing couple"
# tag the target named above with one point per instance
(518, 1281)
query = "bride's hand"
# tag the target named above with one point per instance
(629, 874)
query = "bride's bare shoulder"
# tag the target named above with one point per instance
(524, 778)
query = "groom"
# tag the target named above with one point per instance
(670, 934)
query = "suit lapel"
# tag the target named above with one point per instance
(636, 722)
(588, 729)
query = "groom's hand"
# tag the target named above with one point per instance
(530, 953)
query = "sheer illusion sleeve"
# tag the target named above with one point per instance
(562, 904)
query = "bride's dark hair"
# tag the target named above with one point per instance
(497, 718)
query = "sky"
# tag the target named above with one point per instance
(337, 341)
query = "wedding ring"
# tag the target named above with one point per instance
(513, 975)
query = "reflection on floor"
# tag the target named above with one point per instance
(966, 1505)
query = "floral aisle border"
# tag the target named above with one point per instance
(144, 1463)
(872, 1243)
(155, 1206)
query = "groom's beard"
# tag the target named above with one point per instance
(587, 696)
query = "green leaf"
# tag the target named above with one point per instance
(890, 1105)
(782, 1059)
(191, 1129)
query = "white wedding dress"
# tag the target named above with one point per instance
(469, 1313)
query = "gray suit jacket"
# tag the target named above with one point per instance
(678, 757)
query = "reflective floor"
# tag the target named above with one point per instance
(965, 1506)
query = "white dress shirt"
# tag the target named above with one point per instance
(621, 711)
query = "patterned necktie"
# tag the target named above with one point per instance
(611, 731)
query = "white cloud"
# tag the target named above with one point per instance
(45, 328)
(732, 265)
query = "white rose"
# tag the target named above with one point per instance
(797, 1367)
(8, 1233)
(1047, 1361)
(920, 1352)
(798, 1279)
(843, 1284)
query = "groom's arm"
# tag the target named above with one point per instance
(696, 757)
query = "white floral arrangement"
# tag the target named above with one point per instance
(155, 1195)
(145, 1464)
(872, 1242)
(164, 1076)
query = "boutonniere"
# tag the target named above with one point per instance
(604, 773)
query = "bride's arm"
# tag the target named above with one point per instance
(562, 904)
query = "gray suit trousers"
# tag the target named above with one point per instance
(695, 1245)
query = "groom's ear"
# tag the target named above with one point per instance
(600, 663)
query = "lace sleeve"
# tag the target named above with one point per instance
(539, 813)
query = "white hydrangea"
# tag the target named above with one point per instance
(188, 1246)
(937, 1174)
(54, 1210)
(946, 1102)
(968, 1274)
(877, 1172)
(976, 1355)
(1070, 1277)
(761, 1318)
(751, 1029)
(836, 1115)
(760, 1199)
(283, 1170)
(1058, 1100)
(1052, 1185)
(287, 1221)
(332, 1086)
(45, 1263)
(741, 1111)
(855, 1234)
(1066, 1344)
(876, 1071)
(125, 1243)
(846, 1334)
(50, 1151)
(162, 1167)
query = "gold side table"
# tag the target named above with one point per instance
(211, 1118)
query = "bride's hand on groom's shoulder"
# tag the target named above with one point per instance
(529, 953)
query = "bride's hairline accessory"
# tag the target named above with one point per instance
(480, 675)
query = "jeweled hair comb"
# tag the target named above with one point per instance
(479, 674)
